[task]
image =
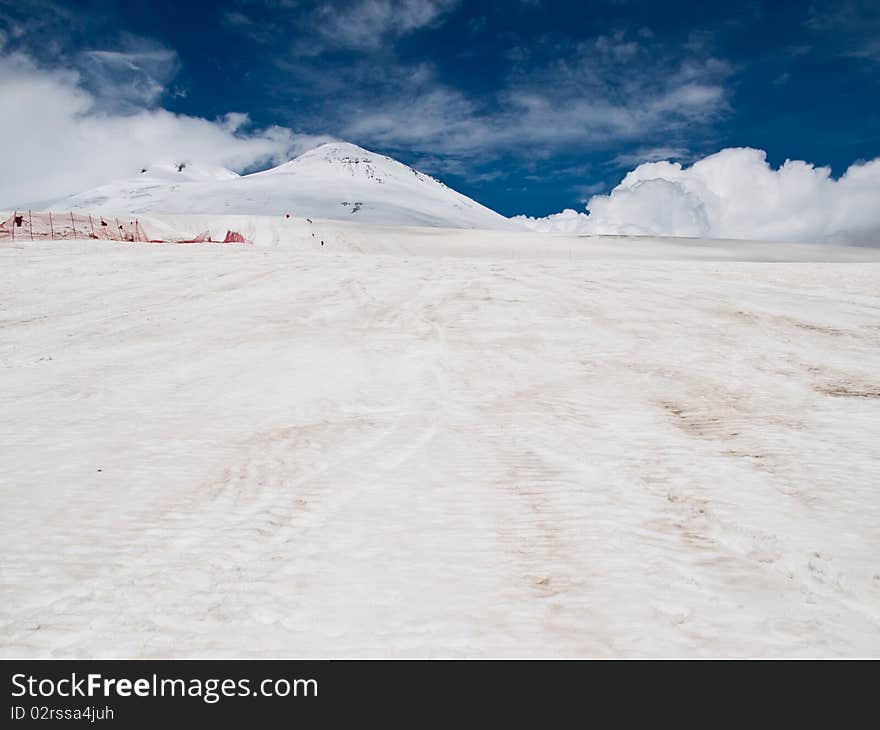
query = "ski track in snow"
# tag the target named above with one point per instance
(387, 447)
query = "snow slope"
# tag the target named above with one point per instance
(335, 180)
(417, 442)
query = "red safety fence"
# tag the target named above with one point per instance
(28, 225)
(234, 237)
(203, 237)
(31, 226)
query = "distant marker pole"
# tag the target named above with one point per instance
(92, 226)
(31, 224)
(73, 224)
(51, 227)
(14, 217)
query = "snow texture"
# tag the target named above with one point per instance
(418, 442)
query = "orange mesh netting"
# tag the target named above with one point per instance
(32, 226)
(234, 237)
(29, 225)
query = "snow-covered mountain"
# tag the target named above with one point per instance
(336, 180)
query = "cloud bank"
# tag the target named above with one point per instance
(734, 193)
(58, 138)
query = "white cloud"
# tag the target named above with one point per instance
(131, 78)
(367, 24)
(594, 94)
(651, 154)
(735, 194)
(434, 120)
(59, 139)
(316, 27)
(568, 221)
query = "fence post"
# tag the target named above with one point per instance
(14, 216)
(31, 224)
(51, 227)
(73, 224)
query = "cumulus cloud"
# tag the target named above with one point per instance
(734, 194)
(59, 139)
(568, 221)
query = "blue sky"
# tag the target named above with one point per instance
(529, 106)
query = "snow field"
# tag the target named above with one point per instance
(438, 443)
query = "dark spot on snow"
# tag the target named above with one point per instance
(734, 452)
(850, 391)
(821, 329)
(700, 424)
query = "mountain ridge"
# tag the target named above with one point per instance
(336, 180)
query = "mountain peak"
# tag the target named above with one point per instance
(337, 158)
(336, 180)
(340, 149)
